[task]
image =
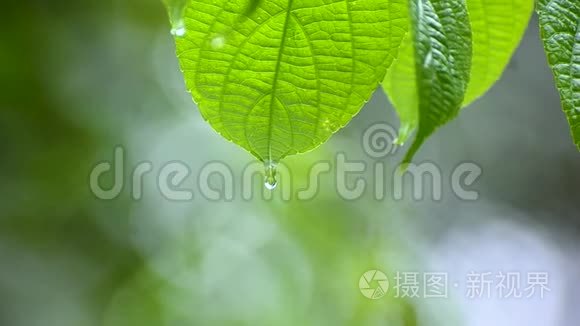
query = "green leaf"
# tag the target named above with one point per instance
(428, 81)
(292, 73)
(497, 28)
(560, 29)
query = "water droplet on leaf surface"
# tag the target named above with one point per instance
(218, 42)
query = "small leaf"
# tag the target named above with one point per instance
(286, 78)
(428, 81)
(560, 29)
(497, 28)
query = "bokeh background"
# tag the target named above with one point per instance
(79, 78)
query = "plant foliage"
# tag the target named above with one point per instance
(279, 77)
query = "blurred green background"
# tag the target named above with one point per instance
(80, 78)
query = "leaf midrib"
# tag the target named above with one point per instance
(276, 73)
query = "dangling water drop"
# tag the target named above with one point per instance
(270, 181)
(178, 30)
(176, 10)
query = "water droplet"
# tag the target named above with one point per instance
(270, 181)
(178, 30)
(218, 42)
(176, 9)
(404, 132)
